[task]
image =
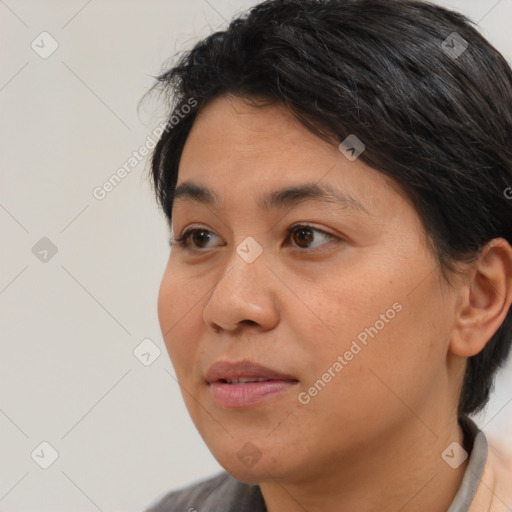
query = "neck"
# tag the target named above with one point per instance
(405, 473)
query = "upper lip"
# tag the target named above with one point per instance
(225, 370)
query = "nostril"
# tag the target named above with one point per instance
(249, 322)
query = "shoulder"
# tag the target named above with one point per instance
(219, 493)
(500, 464)
(494, 493)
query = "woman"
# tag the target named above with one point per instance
(337, 297)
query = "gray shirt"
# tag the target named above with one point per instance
(222, 493)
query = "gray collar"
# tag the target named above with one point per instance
(472, 475)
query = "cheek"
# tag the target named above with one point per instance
(179, 315)
(168, 303)
(380, 382)
(402, 363)
(337, 307)
(387, 336)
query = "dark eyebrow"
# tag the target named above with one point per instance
(282, 198)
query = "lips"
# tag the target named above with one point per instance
(243, 372)
(245, 384)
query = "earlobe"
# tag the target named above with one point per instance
(484, 299)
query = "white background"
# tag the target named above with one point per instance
(70, 325)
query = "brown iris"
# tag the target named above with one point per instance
(304, 235)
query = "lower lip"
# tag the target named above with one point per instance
(248, 394)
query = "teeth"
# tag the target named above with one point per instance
(243, 380)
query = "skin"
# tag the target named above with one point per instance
(372, 438)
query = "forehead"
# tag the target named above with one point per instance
(264, 154)
(234, 130)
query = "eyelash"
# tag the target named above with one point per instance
(184, 240)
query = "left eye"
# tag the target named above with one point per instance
(302, 235)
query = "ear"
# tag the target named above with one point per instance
(484, 300)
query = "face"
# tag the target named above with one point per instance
(335, 303)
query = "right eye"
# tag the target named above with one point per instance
(195, 237)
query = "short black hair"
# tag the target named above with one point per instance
(426, 93)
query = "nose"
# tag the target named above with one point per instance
(244, 295)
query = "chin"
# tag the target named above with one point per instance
(248, 476)
(248, 464)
